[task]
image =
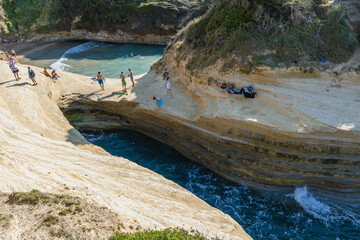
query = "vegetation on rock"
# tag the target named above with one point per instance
(272, 32)
(167, 234)
(137, 16)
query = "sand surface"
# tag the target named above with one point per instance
(39, 149)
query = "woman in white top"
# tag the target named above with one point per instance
(168, 86)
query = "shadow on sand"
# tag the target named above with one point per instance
(19, 84)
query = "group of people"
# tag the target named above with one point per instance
(159, 102)
(15, 70)
(8, 41)
(101, 80)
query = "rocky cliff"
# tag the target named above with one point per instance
(39, 149)
(142, 17)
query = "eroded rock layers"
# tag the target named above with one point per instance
(253, 154)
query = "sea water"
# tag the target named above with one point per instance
(91, 57)
(298, 215)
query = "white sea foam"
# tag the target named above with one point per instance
(312, 206)
(61, 66)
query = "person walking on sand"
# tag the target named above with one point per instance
(159, 102)
(131, 75)
(123, 82)
(168, 86)
(100, 78)
(32, 76)
(14, 69)
(46, 73)
(54, 76)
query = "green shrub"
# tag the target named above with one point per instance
(232, 28)
(167, 234)
(50, 220)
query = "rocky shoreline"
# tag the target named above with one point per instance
(83, 35)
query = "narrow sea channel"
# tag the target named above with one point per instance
(297, 215)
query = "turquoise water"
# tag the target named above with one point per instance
(90, 57)
(110, 59)
(297, 215)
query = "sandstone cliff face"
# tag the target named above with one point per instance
(259, 156)
(39, 149)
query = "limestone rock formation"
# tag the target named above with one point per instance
(39, 149)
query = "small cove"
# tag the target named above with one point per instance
(90, 57)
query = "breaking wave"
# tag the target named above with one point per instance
(60, 64)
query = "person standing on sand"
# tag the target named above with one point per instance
(131, 77)
(100, 78)
(13, 53)
(159, 102)
(54, 76)
(32, 76)
(123, 82)
(14, 69)
(168, 86)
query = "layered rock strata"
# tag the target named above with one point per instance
(242, 152)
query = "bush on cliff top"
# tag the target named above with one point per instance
(273, 32)
(139, 16)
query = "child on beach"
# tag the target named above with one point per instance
(32, 76)
(159, 102)
(54, 76)
(131, 77)
(100, 78)
(14, 69)
(123, 82)
(168, 86)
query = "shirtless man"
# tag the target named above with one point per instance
(13, 53)
(123, 82)
(131, 77)
(100, 78)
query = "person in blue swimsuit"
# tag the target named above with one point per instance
(32, 76)
(100, 78)
(159, 102)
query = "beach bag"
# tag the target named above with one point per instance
(236, 91)
(250, 95)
